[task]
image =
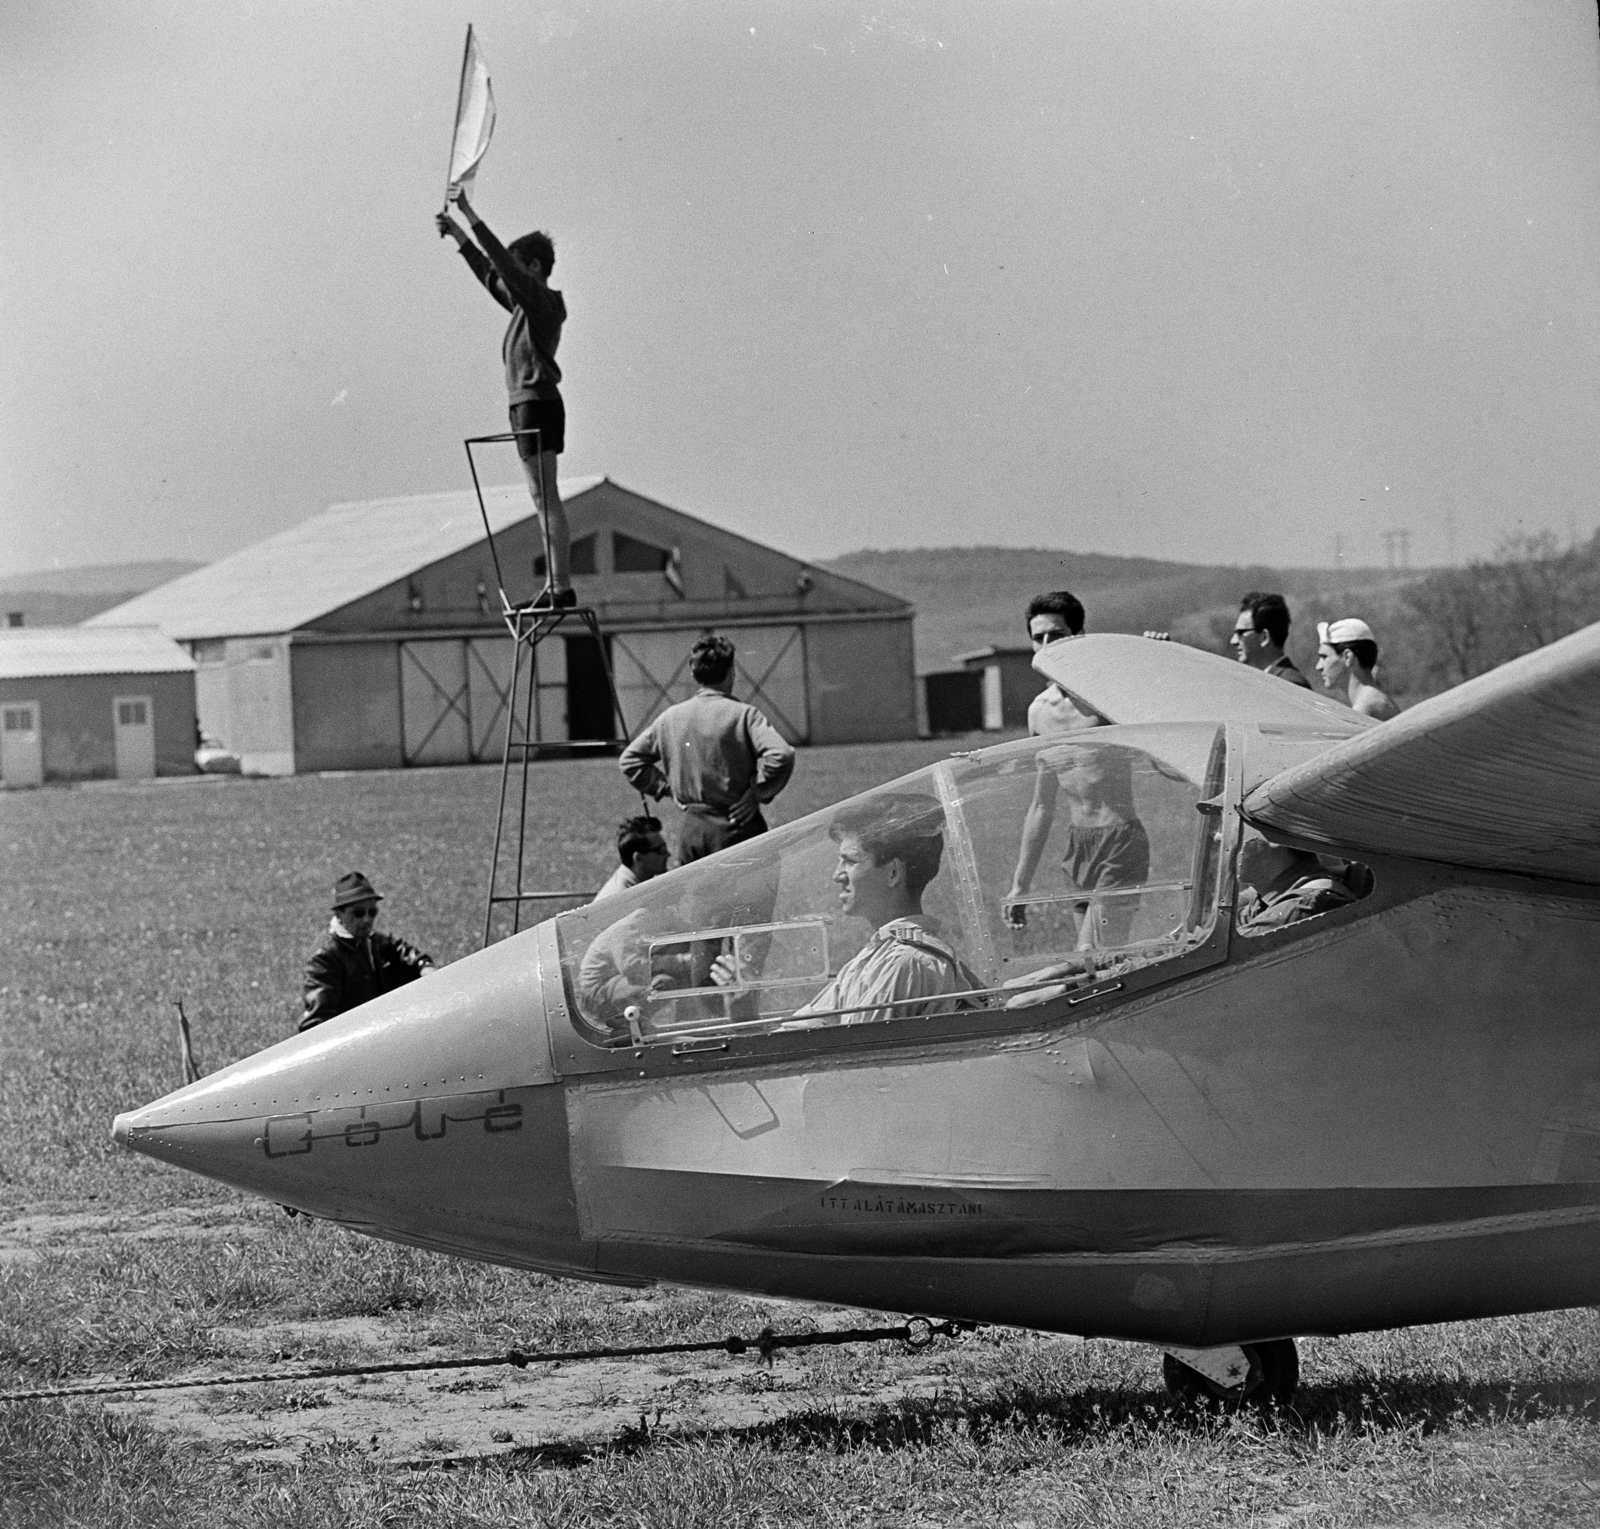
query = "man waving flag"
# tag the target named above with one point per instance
(474, 120)
(518, 278)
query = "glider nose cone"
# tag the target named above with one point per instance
(420, 1115)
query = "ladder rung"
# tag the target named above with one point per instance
(584, 613)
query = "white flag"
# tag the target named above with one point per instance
(474, 119)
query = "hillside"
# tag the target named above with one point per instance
(971, 597)
(966, 597)
(66, 596)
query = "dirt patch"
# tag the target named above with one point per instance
(28, 1236)
(562, 1410)
(566, 1409)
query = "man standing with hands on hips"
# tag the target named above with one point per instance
(719, 759)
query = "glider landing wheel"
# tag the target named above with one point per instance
(1274, 1374)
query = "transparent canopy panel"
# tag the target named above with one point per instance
(980, 882)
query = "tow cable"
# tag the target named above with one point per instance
(918, 1333)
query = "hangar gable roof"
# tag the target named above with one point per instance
(348, 551)
(48, 651)
(352, 551)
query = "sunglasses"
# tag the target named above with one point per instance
(366, 910)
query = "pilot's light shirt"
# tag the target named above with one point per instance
(903, 960)
(615, 969)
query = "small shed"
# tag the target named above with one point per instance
(1010, 682)
(953, 701)
(371, 636)
(79, 703)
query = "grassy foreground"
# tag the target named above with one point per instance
(117, 901)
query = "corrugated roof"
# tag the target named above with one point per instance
(324, 563)
(41, 651)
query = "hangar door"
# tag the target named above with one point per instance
(453, 693)
(21, 751)
(134, 736)
(652, 672)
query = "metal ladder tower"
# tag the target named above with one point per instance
(529, 624)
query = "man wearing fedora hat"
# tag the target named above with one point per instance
(354, 963)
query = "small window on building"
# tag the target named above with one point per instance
(132, 714)
(209, 650)
(262, 653)
(18, 719)
(583, 554)
(629, 555)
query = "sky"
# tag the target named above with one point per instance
(1215, 280)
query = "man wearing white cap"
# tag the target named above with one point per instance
(1347, 655)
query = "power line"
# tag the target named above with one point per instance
(1397, 547)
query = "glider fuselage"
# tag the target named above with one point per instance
(1386, 1115)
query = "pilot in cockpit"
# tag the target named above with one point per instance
(890, 846)
(624, 965)
(1280, 885)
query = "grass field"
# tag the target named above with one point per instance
(117, 901)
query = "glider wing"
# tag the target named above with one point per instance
(1137, 679)
(1501, 773)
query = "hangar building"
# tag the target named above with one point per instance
(370, 636)
(81, 704)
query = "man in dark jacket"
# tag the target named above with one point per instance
(354, 963)
(1259, 635)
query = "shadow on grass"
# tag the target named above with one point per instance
(1365, 1404)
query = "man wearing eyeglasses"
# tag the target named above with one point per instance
(354, 963)
(1259, 636)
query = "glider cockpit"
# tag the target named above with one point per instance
(1052, 866)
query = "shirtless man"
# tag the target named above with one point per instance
(1347, 655)
(1054, 618)
(1106, 844)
